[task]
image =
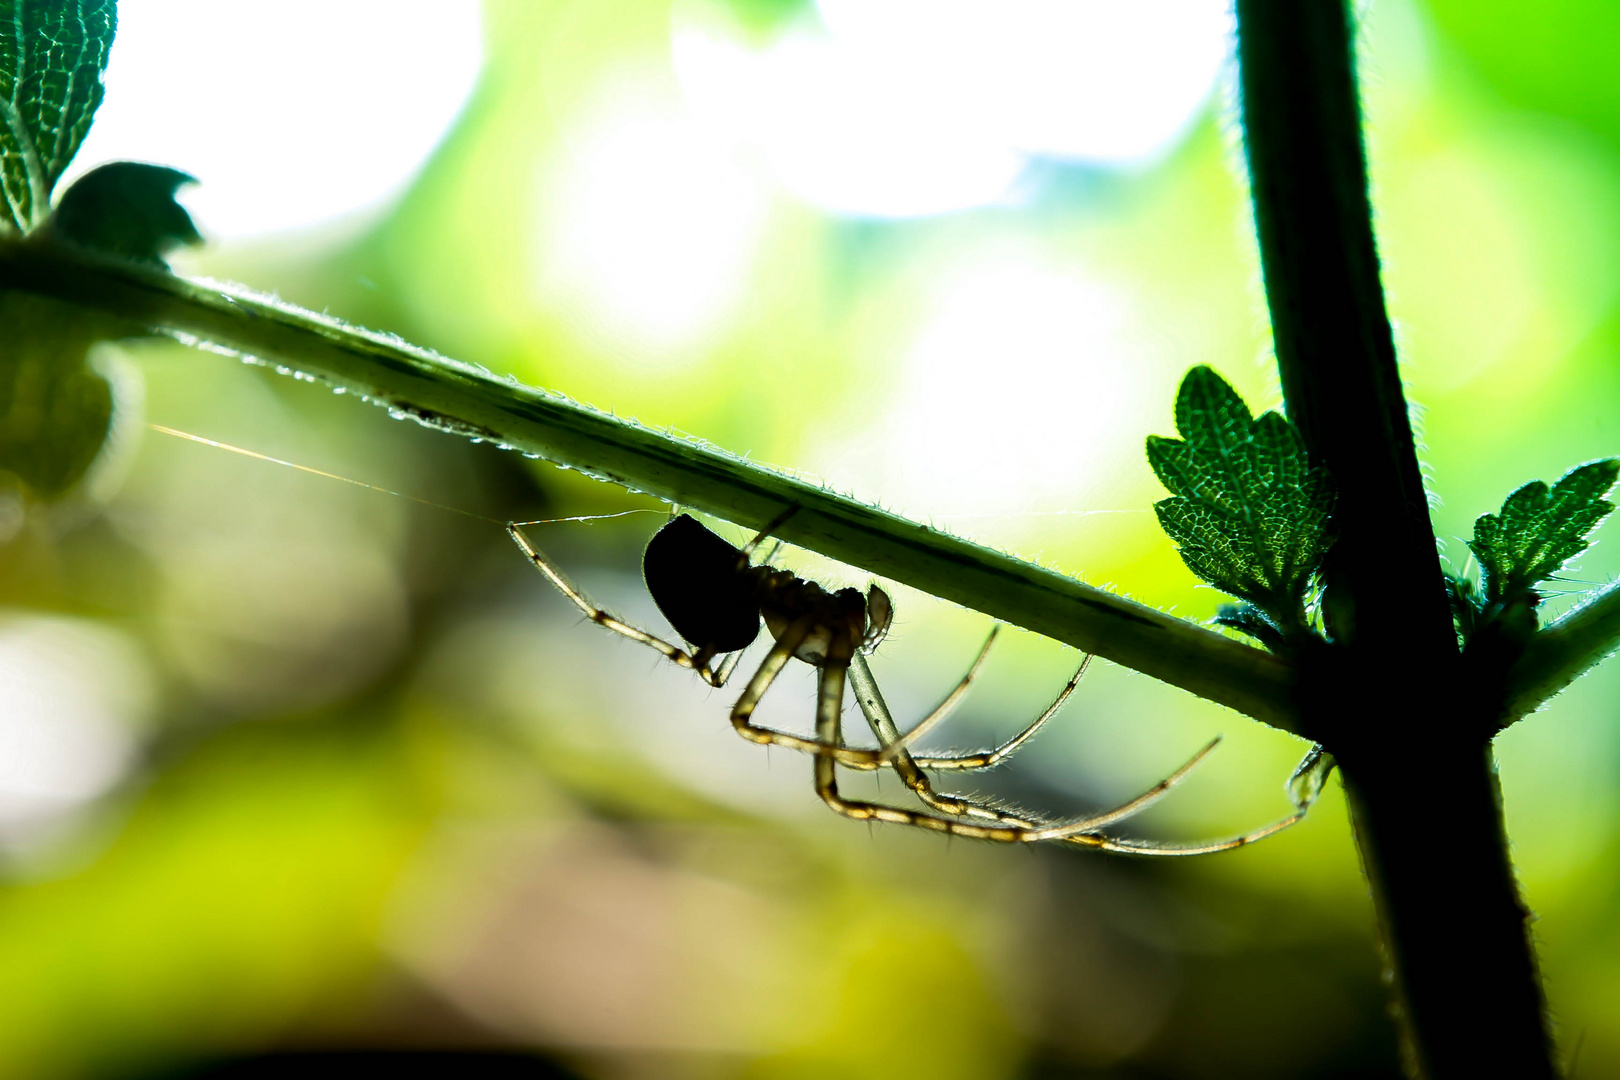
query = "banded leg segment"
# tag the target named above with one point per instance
(695, 661)
(943, 710)
(742, 713)
(881, 721)
(1003, 827)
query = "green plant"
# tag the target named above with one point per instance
(1338, 579)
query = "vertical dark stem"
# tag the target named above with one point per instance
(1385, 697)
(1302, 132)
(1454, 931)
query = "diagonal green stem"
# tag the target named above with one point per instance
(466, 400)
(1562, 652)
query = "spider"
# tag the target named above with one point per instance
(716, 598)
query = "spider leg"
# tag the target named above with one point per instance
(1150, 847)
(829, 706)
(1126, 809)
(944, 709)
(727, 665)
(760, 538)
(1083, 832)
(1001, 753)
(775, 549)
(742, 713)
(878, 717)
(1005, 827)
(606, 618)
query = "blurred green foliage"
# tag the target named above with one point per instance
(1555, 58)
(55, 408)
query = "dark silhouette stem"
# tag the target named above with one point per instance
(1385, 697)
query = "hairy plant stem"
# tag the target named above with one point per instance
(466, 400)
(1382, 698)
(1561, 652)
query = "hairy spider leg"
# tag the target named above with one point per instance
(877, 714)
(742, 713)
(910, 768)
(747, 550)
(899, 743)
(1007, 828)
(996, 756)
(695, 661)
(895, 746)
(775, 548)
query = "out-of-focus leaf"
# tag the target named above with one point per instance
(126, 208)
(1250, 512)
(1538, 530)
(52, 53)
(756, 21)
(55, 411)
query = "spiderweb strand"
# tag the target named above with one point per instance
(374, 487)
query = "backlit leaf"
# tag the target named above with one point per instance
(127, 209)
(1539, 529)
(1250, 512)
(52, 53)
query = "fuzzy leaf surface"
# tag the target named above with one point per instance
(1249, 511)
(52, 54)
(1539, 529)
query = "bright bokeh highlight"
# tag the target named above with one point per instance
(75, 698)
(900, 108)
(289, 115)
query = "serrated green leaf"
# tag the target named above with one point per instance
(1250, 512)
(1539, 529)
(126, 209)
(52, 53)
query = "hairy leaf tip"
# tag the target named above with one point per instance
(1249, 512)
(1539, 529)
(52, 54)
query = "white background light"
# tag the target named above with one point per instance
(73, 695)
(1016, 391)
(647, 225)
(896, 108)
(288, 114)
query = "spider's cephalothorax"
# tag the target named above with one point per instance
(716, 598)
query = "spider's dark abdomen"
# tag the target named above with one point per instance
(693, 576)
